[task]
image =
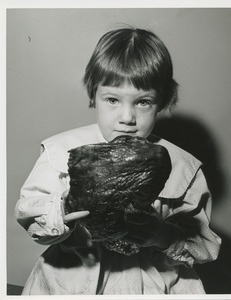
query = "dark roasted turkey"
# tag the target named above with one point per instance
(112, 179)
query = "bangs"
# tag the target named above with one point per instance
(135, 64)
(118, 76)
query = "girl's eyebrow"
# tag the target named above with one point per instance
(151, 94)
(110, 93)
(148, 94)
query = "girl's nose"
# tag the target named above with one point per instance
(127, 115)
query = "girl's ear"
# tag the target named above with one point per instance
(92, 98)
(92, 103)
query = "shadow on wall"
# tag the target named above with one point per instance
(192, 136)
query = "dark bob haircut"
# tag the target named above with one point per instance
(135, 56)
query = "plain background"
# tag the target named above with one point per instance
(47, 51)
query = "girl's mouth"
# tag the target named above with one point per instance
(127, 131)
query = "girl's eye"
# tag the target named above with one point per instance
(144, 103)
(112, 101)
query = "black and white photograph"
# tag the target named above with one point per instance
(117, 153)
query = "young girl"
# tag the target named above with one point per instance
(129, 80)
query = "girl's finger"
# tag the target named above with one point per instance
(75, 216)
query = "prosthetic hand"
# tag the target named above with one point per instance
(74, 216)
(147, 230)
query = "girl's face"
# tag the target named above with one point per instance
(124, 110)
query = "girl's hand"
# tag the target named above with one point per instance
(74, 215)
(147, 230)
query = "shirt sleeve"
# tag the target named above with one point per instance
(193, 241)
(39, 209)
